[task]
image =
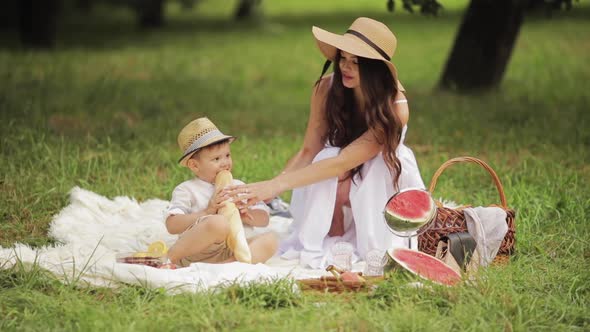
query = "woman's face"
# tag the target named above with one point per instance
(349, 67)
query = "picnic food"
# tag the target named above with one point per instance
(350, 276)
(158, 248)
(236, 240)
(425, 266)
(409, 209)
(141, 258)
(346, 276)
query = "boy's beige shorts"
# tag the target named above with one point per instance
(215, 253)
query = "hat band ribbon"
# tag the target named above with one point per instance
(199, 142)
(370, 43)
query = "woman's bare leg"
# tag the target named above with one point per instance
(213, 229)
(342, 199)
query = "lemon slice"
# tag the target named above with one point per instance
(158, 248)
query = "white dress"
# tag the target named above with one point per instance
(312, 208)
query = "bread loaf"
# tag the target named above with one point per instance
(236, 240)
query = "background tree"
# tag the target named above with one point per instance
(483, 45)
(37, 22)
(478, 58)
(485, 40)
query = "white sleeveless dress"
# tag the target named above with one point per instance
(312, 208)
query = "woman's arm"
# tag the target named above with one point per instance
(313, 141)
(358, 152)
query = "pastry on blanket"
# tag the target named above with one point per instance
(236, 240)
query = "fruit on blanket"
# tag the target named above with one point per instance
(345, 276)
(351, 277)
(157, 248)
(424, 265)
(409, 210)
(141, 258)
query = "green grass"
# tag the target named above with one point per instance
(103, 110)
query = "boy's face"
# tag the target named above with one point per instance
(210, 161)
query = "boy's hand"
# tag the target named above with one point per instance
(216, 201)
(246, 216)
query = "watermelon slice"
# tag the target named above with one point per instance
(425, 266)
(409, 209)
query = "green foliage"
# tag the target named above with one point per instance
(103, 109)
(270, 294)
(427, 7)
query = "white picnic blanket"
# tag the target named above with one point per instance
(92, 229)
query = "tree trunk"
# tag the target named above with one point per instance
(246, 9)
(84, 5)
(150, 13)
(483, 45)
(37, 22)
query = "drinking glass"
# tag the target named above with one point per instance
(342, 255)
(375, 261)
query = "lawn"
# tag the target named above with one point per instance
(103, 109)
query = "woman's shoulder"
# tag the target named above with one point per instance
(400, 98)
(400, 107)
(323, 84)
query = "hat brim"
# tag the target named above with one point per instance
(329, 43)
(187, 155)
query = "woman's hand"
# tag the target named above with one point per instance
(246, 195)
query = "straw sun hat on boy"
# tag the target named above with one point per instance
(366, 38)
(198, 134)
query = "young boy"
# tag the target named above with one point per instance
(195, 203)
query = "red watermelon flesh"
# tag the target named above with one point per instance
(409, 209)
(411, 204)
(425, 266)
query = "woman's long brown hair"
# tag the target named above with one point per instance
(346, 122)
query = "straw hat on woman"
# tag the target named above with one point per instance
(352, 157)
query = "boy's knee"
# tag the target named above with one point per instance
(216, 225)
(271, 242)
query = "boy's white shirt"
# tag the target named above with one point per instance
(194, 195)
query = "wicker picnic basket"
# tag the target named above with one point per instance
(452, 220)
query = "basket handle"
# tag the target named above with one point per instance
(472, 160)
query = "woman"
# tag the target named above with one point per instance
(353, 158)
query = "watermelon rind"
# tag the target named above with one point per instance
(450, 277)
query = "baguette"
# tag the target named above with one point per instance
(236, 239)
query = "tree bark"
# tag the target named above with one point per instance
(245, 9)
(84, 5)
(483, 45)
(37, 22)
